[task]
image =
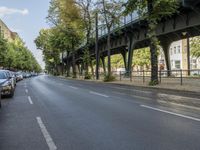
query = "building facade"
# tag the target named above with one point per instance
(178, 57)
(6, 33)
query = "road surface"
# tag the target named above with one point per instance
(49, 113)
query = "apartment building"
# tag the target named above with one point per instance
(6, 33)
(178, 57)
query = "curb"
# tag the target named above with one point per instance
(152, 88)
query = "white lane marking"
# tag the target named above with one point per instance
(172, 113)
(30, 101)
(99, 94)
(73, 87)
(46, 134)
(26, 90)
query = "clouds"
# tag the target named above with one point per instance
(4, 11)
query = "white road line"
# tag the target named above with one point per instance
(99, 94)
(73, 87)
(172, 113)
(46, 134)
(26, 90)
(30, 101)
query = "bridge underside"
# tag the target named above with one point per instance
(134, 36)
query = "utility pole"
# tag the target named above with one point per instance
(97, 48)
(188, 54)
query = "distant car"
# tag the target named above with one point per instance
(19, 76)
(6, 84)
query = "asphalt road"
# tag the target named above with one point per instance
(52, 113)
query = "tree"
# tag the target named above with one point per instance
(65, 15)
(195, 47)
(87, 11)
(3, 49)
(111, 11)
(153, 11)
(46, 42)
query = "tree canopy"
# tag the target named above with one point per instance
(16, 56)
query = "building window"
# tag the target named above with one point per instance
(179, 49)
(178, 64)
(174, 50)
(171, 51)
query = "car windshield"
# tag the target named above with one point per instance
(2, 75)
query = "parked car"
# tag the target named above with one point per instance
(6, 83)
(19, 76)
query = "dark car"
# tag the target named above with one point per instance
(6, 84)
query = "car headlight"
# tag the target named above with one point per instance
(6, 86)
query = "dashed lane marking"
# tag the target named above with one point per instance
(30, 101)
(73, 87)
(99, 94)
(46, 134)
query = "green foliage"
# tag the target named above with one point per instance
(117, 61)
(3, 50)
(195, 46)
(108, 78)
(153, 83)
(87, 76)
(16, 56)
(142, 57)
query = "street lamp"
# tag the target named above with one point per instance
(185, 34)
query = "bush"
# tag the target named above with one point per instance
(108, 78)
(87, 76)
(153, 83)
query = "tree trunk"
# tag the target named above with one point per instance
(74, 65)
(153, 44)
(92, 69)
(108, 44)
(154, 64)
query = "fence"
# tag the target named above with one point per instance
(165, 76)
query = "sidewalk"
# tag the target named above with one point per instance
(189, 85)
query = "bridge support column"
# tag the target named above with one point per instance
(166, 46)
(130, 55)
(82, 68)
(103, 63)
(79, 68)
(124, 55)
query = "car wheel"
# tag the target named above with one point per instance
(12, 93)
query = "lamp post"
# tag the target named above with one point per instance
(188, 51)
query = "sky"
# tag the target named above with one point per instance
(26, 17)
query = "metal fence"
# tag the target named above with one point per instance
(165, 76)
